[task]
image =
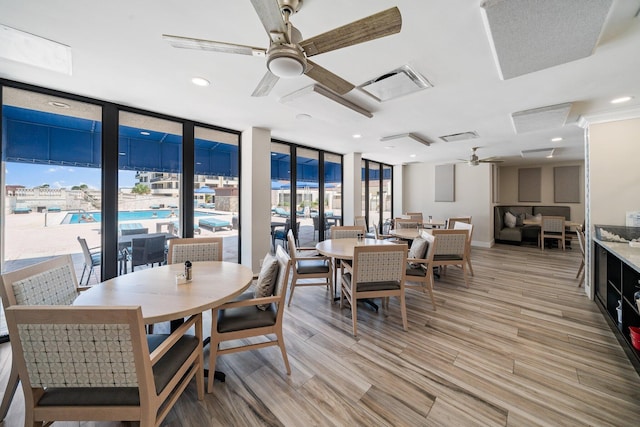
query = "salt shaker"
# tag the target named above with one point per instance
(187, 270)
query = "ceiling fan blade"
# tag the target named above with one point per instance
(370, 28)
(267, 83)
(269, 13)
(213, 46)
(490, 161)
(327, 78)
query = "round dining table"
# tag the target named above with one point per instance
(157, 292)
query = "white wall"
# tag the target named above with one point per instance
(509, 188)
(614, 170)
(255, 196)
(472, 197)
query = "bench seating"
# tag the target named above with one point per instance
(522, 232)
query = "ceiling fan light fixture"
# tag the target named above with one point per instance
(286, 61)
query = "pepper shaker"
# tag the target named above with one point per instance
(187, 270)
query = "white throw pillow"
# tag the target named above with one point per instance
(510, 220)
(266, 279)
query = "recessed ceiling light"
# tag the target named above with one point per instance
(58, 104)
(388, 147)
(356, 135)
(556, 139)
(145, 133)
(303, 116)
(412, 155)
(200, 81)
(621, 100)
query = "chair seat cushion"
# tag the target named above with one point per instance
(240, 318)
(312, 266)
(446, 257)
(415, 271)
(163, 370)
(372, 286)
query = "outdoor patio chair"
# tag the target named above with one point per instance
(100, 364)
(148, 250)
(92, 258)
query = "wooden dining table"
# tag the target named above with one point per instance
(155, 290)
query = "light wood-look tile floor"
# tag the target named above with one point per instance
(523, 346)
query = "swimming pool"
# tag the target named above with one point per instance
(74, 218)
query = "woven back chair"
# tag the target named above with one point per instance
(100, 364)
(469, 227)
(195, 249)
(52, 282)
(242, 319)
(401, 223)
(307, 264)
(377, 271)
(346, 231)
(552, 227)
(451, 249)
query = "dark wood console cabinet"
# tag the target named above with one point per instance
(617, 279)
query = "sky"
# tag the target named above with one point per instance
(31, 175)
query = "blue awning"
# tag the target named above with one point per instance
(44, 138)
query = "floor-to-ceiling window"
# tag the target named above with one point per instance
(280, 192)
(377, 193)
(216, 195)
(314, 198)
(51, 176)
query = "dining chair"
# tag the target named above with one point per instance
(552, 227)
(451, 221)
(416, 216)
(419, 268)
(581, 242)
(255, 313)
(100, 365)
(451, 249)
(377, 271)
(147, 250)
(469, 227)
(51, 282)
(307, 264)
(92, 258)
(401, 223)
(195, 249)
(347, 231)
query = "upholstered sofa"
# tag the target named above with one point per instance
(521, 232)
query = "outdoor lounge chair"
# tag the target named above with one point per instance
(21, 208)
(280, 212)
(213, 223)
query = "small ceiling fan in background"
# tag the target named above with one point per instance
(475, 161)
(287, 55)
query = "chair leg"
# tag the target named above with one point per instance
(280, 338)
(354, 316)
(403, 312)
(213, 355)
(10, 391)
(429, 286)
(83, 270)
(580, 269)
(293, 287)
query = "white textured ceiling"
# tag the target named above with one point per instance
(119, 55)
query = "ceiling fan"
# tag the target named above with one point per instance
(475, 161)
(287, 55)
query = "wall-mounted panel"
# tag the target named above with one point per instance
(445, 183)
(529, 180)
(566, 184)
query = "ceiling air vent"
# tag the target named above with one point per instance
(406, 137)
(460, 136)
(399, 82)
(549, 117)
(540, 153)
